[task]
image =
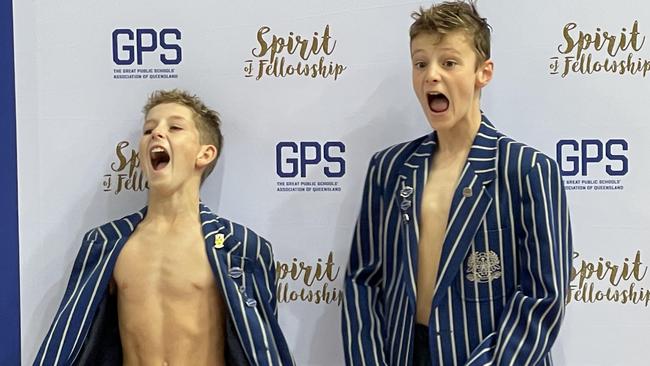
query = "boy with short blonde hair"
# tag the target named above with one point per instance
(172, 284)
(462, 249)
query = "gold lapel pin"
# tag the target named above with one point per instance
(218, 241)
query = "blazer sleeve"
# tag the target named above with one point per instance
(530, 321)
(267, 262)
(363, 311)
(64, 335)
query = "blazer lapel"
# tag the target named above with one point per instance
(412, 177)
(227, 262)
(116, 234)
(471, 201)
(219, 245)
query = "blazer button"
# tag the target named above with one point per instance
(235, 272)
(242, 289)
(251, 303)
(467, 192)
(406, 192)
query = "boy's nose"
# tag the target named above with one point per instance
(157, 134)
(433, 75)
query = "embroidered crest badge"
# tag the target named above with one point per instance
(483, 267)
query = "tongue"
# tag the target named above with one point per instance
(161, 165)
(439, 104)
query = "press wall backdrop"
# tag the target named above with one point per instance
(307, 91)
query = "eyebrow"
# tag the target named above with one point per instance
(443, 49)
(174, 118)
(449, 49)
(413, 52)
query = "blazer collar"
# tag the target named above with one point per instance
(217, 232)
(469, 203)
(481, 157)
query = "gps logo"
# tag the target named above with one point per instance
(129, 46)
(293, 158)
(575, 156)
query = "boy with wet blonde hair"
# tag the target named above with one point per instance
(462, 249)
(207, 120)
(172, 284)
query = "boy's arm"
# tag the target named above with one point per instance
(532, 316)
(59, 343)
(363, 312)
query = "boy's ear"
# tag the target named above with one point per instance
(206, 155)
(484, 73)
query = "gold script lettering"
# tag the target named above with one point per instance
(600, 39)
(292, 43)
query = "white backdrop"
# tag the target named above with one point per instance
(80, 91)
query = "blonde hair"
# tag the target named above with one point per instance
(207, 120)
(451, 16)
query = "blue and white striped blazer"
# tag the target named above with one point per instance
(504, 268)
(243, 267)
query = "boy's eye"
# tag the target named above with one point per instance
(449, 63)
(175, 128)
(420, 65)
(147, 131)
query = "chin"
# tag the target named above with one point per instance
(440, 122)
(158, 184)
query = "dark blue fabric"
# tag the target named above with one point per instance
(9, 262)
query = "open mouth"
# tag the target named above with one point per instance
(159, 158)
(438, 102)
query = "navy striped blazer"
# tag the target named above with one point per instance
(244, 269)
(504, 266)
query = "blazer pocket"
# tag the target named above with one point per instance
(482, 275)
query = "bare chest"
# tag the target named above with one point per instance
(437, 195)
(173, 265)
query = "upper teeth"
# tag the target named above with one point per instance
(157, 149)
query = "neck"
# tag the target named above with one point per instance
(459, 139)
(169, 208)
